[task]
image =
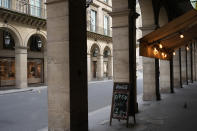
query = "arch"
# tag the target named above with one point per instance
(163, 17)
(95, 46)
(14, 32)
(40, 33)
(107, 48)
(147, 13)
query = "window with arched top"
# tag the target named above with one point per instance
(106, 53)
(95, 52)
(35, 43)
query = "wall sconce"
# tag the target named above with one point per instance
(160, 46)
(155, 51)
(181, 35)
(187, 48)
(174, 53)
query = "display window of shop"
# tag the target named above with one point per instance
(35, 70)
(7, 71)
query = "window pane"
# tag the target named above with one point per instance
(5, 3)
(35, 7)
(93, 21)
(106, 25)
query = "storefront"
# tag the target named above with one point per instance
(35, 72)
(7, 71)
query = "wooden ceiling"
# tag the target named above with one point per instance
(169, 35)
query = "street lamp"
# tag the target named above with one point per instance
(7, 38)
(39, 43)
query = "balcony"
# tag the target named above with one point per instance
(98, 30)
(22, 6)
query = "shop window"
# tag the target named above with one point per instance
(7, 71)
(35, 71)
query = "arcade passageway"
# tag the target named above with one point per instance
(168, 27)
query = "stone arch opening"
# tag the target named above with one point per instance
(95, 53)
(107, 63)
(36, 59)
(8, 40)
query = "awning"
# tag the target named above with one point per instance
(169, 37)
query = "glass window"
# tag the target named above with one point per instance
(5, 3)
(35, 70)
(7, 71)
(106, 1)
(35, 7)
(93, 20)
(106, 25)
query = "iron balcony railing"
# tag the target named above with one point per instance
(98, 29)
(24, 7)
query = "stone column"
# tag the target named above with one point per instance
(67, 65)
(183, 61)
(194, 62)
(149, 86)
(110, 67)
(176, 67)
(21, 67)
(100, 67)
(189, 63)
(164, 76)
(89, 67)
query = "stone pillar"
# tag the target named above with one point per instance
(164, 76)
(124, 46)
(189, 63)
(176, 67)
(100, 67)
(110, 67)
(149, 86)
(183, 61)
(194, 62)
(67, 65)
(21, 67)
(89, 67)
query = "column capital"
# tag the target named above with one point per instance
(20, 50)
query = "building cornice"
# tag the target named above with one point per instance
(99, 37)
(10, 15)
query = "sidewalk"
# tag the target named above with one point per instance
(175, 112)
(11, 91)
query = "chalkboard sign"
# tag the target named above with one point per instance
(120, 105)
(120, 102)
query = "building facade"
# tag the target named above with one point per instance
(22, 43)
(99, 40)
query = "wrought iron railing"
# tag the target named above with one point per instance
(24, 7)
(98, 29)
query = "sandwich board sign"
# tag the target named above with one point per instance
(194, 4)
